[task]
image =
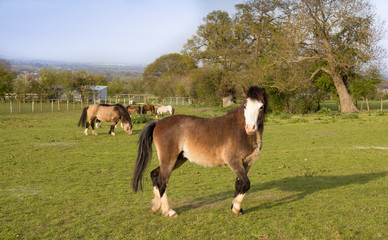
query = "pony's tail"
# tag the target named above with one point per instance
(82, 120)
(144, 154)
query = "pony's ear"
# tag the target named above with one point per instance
(245, 91)
(262, 91)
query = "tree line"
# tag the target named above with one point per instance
(50, 84)
(301, 51)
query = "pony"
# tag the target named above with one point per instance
(133, 108)
(148, 107)
(106, 113)
(163, 109)
(233, 140)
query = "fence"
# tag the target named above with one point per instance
(177, 101)
(47, 105)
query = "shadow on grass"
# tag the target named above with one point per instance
(301, 184)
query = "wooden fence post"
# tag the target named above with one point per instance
(10, 106)
(41, 104)
(52, 105)
(32, 107)
(381, 105)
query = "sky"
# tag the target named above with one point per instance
(112, 32)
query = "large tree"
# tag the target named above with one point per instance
(343, 34)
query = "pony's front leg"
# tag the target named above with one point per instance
(241, 188)
(112, 129)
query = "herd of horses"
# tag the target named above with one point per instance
(232, 140)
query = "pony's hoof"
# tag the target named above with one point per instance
(154, 210)
(112, 133)
(238, 212)
(171, 213)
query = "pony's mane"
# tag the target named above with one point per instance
(105, 105)
(124, 114)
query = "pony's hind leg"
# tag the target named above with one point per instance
(86, 128)
(160, 201)
(156, 202)
(159, 181)
(92, 124)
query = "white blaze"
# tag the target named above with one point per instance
(251, 113)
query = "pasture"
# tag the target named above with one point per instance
(320, 176)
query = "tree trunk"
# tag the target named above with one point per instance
(227, 101)
(346, 103)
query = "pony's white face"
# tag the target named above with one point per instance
(252, 110)
(127, 127)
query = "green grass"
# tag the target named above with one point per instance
(321, 176)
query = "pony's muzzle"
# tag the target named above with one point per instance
(250, 129)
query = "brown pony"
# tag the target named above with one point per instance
(106, 113)
(232, 140)
(148, 107)
(134, 108)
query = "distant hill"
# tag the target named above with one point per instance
(33, 65)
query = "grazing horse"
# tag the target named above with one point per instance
(148, 107)
(233, 140)
(106, 113)
(134, 108)
(163, 109)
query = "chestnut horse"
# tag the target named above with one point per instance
(106, 113)
(148, 107)
(134, 108)
(233, 140)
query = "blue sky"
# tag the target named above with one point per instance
(99, 31)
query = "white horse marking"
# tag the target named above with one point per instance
(251, 113)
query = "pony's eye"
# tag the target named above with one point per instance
(262, 107)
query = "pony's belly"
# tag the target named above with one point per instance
(205, 159)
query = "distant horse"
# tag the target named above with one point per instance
(134, 108)
(163, 109)
(106, 113)
(233, 140)
(148, 107)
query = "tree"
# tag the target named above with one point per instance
(47, 83)
(167, 75)
(6, 78)
(343, 34)
(24, 84)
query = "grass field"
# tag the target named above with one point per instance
(321, 176)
